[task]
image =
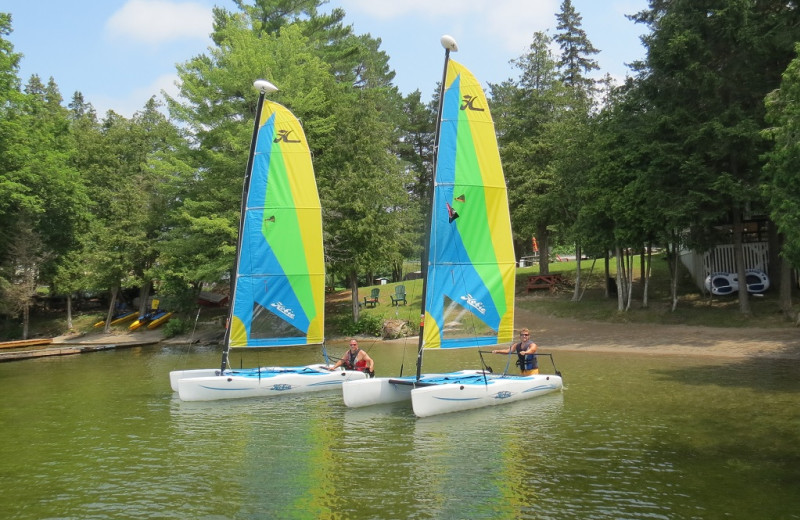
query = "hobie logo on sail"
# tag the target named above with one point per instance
(283, 135)
(475, 304)
(286, 311)
(469, 103)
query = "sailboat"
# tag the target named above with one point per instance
(468, 278)
(279, 272)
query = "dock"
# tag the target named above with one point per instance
(48, 348)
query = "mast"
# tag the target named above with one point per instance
(449, 44)
(263, 87)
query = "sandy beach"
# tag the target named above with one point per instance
(555, 334)
(566, 334)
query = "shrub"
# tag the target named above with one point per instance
(176, 327)
(368, 324)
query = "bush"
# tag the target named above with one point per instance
(368, 324)
(176, 327)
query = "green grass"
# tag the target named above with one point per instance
(693, 307)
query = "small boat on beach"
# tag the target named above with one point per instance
(119, 318)
(35, 342)
(723, 284)
(159, 319)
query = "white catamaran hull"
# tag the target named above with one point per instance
(454, 397)
(385, 390)
(177, 375)
(378, 390)
(269, 382)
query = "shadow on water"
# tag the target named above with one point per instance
(754, 373)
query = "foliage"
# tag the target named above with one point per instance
(669, 157)
(176, 327)
(576, 51)
(368, 324)
(783, 161)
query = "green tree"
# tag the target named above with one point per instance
(217, 106)
(60, 211)
(576, 60)
(781, 169)
(130, 197)
(522, 111)
(328, 77)
(21, 272)
(708, 67)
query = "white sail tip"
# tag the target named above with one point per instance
(449, 43)
(264, 86)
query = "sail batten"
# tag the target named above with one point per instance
(471, 261)
(280, 281)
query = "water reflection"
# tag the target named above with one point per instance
(474, 470)
(103, 436)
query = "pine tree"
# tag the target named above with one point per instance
(575, 63)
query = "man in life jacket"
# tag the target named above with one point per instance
(356, 359)
(525, 350)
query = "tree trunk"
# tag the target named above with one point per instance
(672, 261)
(774, 246)
(629, 271)
(738, 255)
(785, 290)
(642, 264)
(619, 277)
(144, 296)
(26, 319)
(544, 249)
(674, 267)
(646, 266)
(586, 284)
(110, 314)
(69, 312)
(353, 279)
(576, 294)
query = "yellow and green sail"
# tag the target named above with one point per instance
(279, 293)
(471, 265)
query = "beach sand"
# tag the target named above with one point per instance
(560, 334)
(554, 334)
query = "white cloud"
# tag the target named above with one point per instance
(514, 22)
(160, 21)
(509, 23)
(386, 9)
(134, 100)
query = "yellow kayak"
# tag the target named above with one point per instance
(116, 321)
(158, 321)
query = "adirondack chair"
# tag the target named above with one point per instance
(372, 299)
(399, 295)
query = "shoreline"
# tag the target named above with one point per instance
(553, 334)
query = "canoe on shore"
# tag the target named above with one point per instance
(26, 343)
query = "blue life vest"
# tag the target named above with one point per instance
(528, 361)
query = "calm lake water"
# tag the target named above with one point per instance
(101, 436)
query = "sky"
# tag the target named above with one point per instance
(119, 53)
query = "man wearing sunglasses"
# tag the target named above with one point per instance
(525, 350)
(356, 359)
